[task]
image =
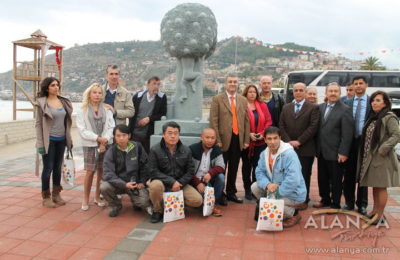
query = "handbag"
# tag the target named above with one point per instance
(270, 216)
(209, 200)
(68, 169)
(174, 208)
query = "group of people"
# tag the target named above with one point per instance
(352, 137)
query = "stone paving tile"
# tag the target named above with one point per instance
(121, 255)
(132, 245)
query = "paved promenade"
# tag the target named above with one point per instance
(29, 231)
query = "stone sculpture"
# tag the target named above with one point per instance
(189, 33)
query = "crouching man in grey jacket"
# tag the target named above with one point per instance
(125, 171)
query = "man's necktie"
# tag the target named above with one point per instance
(328, 110)
(235, 126)
(297, 109)
(357, 118)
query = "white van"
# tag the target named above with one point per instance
(388, 81)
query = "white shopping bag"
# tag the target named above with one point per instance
(68, 169)
(174, 208)
(209, 201)
(270, 214)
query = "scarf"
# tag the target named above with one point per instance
(253, 128)
(377, 132)
(98, 121)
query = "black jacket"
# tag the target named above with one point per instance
(121, 167)
(159, 110)
(170, 168)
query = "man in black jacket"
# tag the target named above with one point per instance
(274, 101)
(125, 171)
(150, 105)
(334, 141)
(171, 169)
(209, 167)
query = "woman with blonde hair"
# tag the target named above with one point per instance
(53, 134)
(95, 123)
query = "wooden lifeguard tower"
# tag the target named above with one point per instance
(35, 71)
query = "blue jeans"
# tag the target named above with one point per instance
(218, 182)
(52, 162)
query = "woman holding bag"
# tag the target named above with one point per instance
(378, 165)
(95, 123)
(259, 119)
(53, 133)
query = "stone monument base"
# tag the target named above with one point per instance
(190, 130)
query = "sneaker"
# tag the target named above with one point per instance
(217, 212)
(156, 217)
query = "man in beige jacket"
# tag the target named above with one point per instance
(229, 119)
(117, 97)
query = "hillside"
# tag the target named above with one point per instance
(140, 60)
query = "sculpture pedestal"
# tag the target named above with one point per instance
(190, 130)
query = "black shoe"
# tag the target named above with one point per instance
(347, 207)
(223, 202)
(248, 195)
(234, 199)
(362, 210)
(257, 211)
(156, 217)
(381, 221)
(113, 211)
(136, 208)
(335, 206)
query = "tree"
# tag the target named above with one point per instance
(372, 63)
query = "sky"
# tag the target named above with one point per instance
(340, 26)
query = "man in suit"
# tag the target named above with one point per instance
(334, 141)
(349, 93)
(299, 124)
(360, 108)
(150, 105)
(274, 101)
(228, 117)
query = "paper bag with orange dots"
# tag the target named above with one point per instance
(270, 216)
(174, 208)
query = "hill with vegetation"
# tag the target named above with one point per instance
(139, 60)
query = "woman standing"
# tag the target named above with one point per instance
(259, 119)
(378, 165)
(95, 125)
(53, 133)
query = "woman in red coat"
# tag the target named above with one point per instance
(259, 119)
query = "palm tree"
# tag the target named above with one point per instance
(372, 63)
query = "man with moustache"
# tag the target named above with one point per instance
(299, 124)
(334, 141)
(229, 119)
